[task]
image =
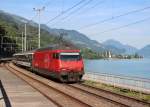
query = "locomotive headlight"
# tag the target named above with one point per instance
(63, 69)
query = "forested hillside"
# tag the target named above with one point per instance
(11, 28)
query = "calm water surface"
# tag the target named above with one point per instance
(134, 67)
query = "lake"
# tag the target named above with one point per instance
(132, 67)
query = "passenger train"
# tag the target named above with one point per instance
(63, 64)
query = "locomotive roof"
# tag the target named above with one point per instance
(25, 53)
(51, 47)
(56, 46)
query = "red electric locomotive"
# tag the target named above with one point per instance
(62, 63)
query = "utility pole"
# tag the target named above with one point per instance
(39, 10)
(22, 42)
(1, 42)
(25, 37)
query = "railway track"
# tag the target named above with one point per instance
(78, 95)
(1, 64)
(56, 96)
(132, 102)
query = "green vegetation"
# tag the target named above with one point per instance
(89, 54)
(11, 32)
(12, 26)
(5, 30)
(9, 28)
(122, 91)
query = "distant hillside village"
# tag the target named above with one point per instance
(108, 54)
(119, 56)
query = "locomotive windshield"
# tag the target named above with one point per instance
(70, 56)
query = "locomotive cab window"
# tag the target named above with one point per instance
(70, 56)
(56, 55)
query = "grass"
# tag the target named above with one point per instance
(118, 90)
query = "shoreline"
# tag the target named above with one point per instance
(115, 59)
(131, 83)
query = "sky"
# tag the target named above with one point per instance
(132, 29)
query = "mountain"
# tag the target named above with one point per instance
(145, 51)
(11, 27)
(77, 38)
(83, 41)
(114, 45)
(13, 24)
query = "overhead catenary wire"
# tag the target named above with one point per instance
(94, 6)
(114, 17)
(76, 10)
(123, 26)
(29, 21)
(32, 19)
(62, 8)
(47, 3)
(65, 11)
(98, 3)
